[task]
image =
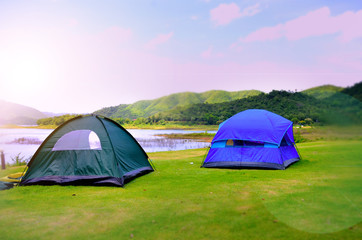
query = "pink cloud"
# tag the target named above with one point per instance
(350, 24)
(207, 53)
(315, 23)
(211, 54)
(251, 11)
(265, 34)
(160, 39)
(226, 13)
(236, 46)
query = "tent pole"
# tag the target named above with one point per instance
(207, 151)
(300, 156)
(152, 165)
(22, 175)
(3, 166)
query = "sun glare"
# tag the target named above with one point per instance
(27, 71)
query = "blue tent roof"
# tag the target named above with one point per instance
(255, 125)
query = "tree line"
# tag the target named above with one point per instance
(340, 108)
(55, 121)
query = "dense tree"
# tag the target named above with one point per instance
(338, 108)
(58, 120)
(342, 107)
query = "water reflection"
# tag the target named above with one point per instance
(26, 141)
(165, 144)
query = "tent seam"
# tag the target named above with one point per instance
(105, 129)
(291, 124)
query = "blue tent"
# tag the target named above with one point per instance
(253, 139)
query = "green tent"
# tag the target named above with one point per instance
(87, 150)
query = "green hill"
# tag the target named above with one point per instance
(146, 108)
(338, 108)
(12, 113)
(354, 91)
(326, 104)
(322, 92)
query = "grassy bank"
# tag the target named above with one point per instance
(301, 134)
(172, 126)
(319, 197)
(328, 133)
(205, 136)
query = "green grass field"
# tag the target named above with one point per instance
(319, 197)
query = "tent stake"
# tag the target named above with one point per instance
(2, 159)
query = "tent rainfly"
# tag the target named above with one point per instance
(253, 138)
(87, 150)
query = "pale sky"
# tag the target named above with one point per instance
(79, 56)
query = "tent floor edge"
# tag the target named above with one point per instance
(244, 165)
(289, 162)
(6, 185)
(137, 173)
(75, 181)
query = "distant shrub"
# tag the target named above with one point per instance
(298, 138)
(57, 120)
(18, 160)
(26, 141)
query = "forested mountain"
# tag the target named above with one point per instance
(322, 105)
(12, 113)
(339, 108)
(322, 92)
(146, 108)
(354, 91)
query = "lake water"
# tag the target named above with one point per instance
(25, 141)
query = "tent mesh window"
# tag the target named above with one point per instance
(78, 140)
(284, 142)
(238, 143)
(253, 144)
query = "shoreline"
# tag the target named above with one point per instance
(301, 134)
(126, 126)
(202, 137)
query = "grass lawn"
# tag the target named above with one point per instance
(319, 197)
